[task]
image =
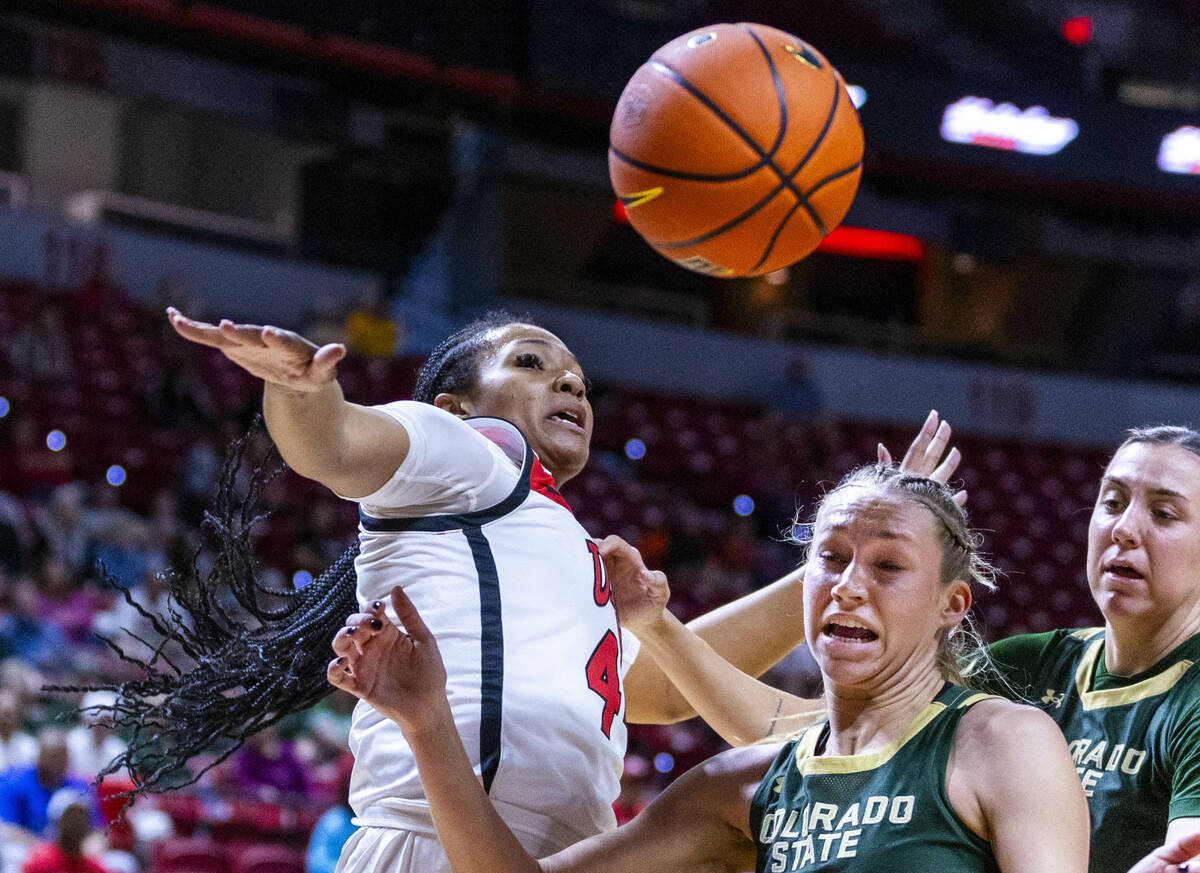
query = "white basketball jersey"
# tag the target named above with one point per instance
(515, 592)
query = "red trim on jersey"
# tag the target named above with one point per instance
(542, 482)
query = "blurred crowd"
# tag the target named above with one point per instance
(79, 542)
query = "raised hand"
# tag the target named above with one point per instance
(398, 671)
(273, 354)
(924, 455)
(640, 594)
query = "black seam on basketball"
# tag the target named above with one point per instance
(783, 116)
(813, 214)
(733, 222)
(663, 70)
(832, 177)
(816, 143)
(775, 238)
(803, 198)
(679, 174)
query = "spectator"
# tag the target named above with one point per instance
(63, 527)
(333, 828)
(17, 748)
(71, 818)
(267, 768)
(178, 397)
(93, 743)
(199, 477)
(61, 600)
(25, 794)
(326, 728)
(126, 550)
(23, 633)
(125, 625)
(370, 330)
(11, 557)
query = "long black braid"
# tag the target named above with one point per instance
(219, 674)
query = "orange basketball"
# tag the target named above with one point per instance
(735, 149)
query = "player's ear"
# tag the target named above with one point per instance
(956, 602)
(455, 404)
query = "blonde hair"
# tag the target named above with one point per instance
(960, 650)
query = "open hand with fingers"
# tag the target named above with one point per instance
(273, 354)
(399, 671)
(640, 594)
(925, 454)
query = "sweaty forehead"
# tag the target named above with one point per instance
(873, 510)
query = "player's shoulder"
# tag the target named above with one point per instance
(997, 733)
(1039, 648)
(416, 410)
(435, 427)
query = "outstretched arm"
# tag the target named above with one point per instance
(694, 825)
(736, 705)
(755, 632)
(350, 449)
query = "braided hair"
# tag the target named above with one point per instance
(453, 366)
(235, 655)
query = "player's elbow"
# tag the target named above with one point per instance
(666, 708)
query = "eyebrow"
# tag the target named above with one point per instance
(1161, 492)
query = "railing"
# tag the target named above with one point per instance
(108, 207)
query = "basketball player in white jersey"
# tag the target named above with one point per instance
(459, 505)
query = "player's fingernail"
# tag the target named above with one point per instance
(376, 624)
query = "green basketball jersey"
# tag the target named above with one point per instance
(883, 810)
(1135, 740)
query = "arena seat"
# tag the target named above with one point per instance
(268, 859)
(190, 855)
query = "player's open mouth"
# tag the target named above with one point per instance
(847, 631)
(569, 418)
(1125, 571)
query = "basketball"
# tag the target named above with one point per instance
(734, 149)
